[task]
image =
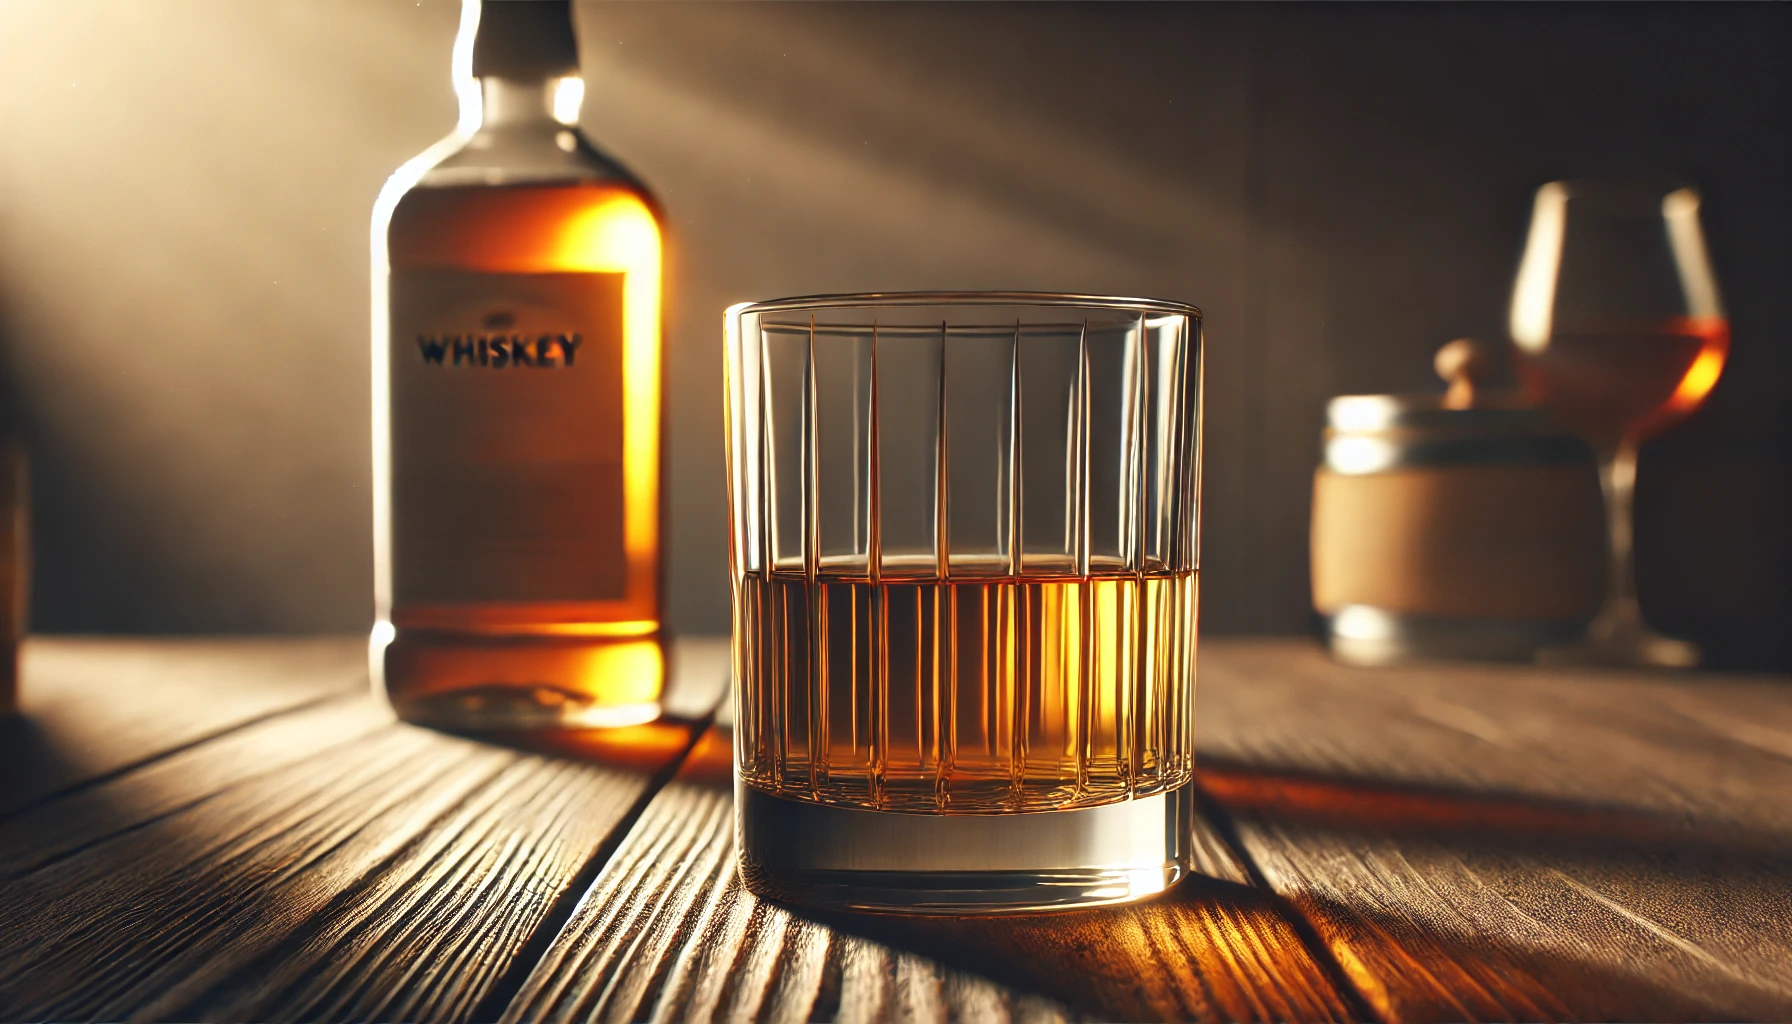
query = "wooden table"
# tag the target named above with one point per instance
(235, 830)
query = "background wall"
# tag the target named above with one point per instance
(185, 187)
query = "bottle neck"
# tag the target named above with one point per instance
(523, 103)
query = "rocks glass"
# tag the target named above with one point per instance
(964, 562)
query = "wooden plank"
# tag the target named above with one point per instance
(55, 829)
(1484, 842)
(327, 863)
(1712, 748)
(92, 708)
(666, 933)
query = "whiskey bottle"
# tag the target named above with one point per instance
(516, 404)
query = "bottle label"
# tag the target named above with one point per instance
(507, 481)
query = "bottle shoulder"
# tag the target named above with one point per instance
(525, 156)
(514, 222)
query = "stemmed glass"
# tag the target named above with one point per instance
(1619, 332)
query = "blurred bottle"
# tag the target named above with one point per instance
(517, 395)
(15, 564)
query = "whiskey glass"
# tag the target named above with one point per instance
(964, 566)
(1619, 332)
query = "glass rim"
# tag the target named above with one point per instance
(871, 300)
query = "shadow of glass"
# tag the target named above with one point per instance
(1488, 817)
(1445, 904)
(1409, 969)
(1205, 949)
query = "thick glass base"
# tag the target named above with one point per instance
(1638, 650)
(470, 682)
(849, 859)
(1619, 638)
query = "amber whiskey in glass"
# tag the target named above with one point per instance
(517, 405)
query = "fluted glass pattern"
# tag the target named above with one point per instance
(964, 548)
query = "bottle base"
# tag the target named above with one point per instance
(893, 862)
(503, 708)
(462, 682)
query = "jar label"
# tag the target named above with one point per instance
(507, 430)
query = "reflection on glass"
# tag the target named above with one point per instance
(1619, 332)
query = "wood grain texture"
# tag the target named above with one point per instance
(1494, 843)
(92, 708)
(1445, 843)
(390, 873)
(33, 838)
(668, 933)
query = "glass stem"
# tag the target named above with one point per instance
(1620, 615)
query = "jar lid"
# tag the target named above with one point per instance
(1382, 433)
(1369, 414)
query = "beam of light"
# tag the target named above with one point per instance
(1533, 296)
(200, 224)
(187, 251)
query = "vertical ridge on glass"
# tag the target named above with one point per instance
(1017, 743)
(946, 605)
(1082, 738)
(880, 638)
(816, 605)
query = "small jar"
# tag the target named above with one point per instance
(1452, 532)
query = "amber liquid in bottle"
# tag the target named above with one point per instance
(518, 542)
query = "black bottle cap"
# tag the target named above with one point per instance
(525, 39)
